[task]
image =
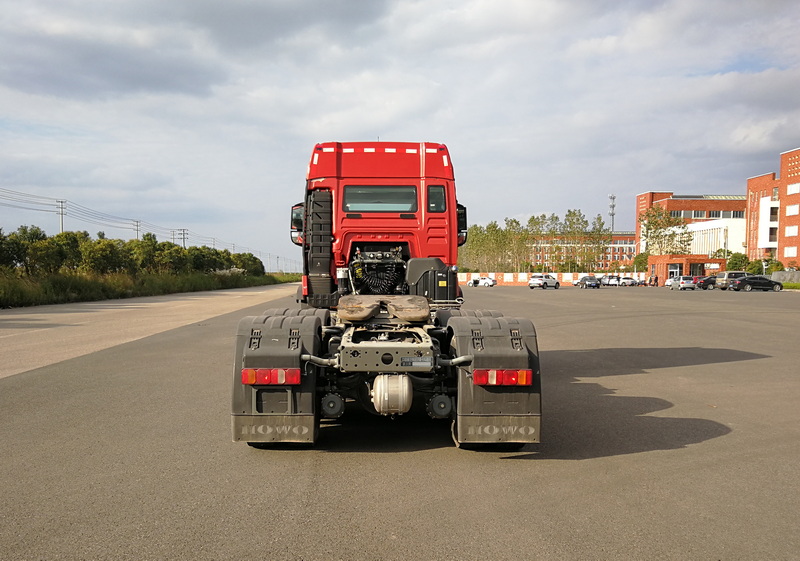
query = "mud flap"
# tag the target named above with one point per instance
(496, 414)
(482, 429)
(274, 428)
(276, 413)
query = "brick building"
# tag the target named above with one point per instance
(692, 208)
(620, 251)
(773, 212)
(618, 254)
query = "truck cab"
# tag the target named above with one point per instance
(370, 207)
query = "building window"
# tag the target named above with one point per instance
(792, 210)
(714, 214)
(790, 251)
(698, 214)
(774, 193)
(726, 214)
(676, 213)
(793, 189)
(791, 231)
(773, 235)
(773, 214)
(737, 214)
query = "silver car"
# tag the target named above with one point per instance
(542, 280)
(682, 283)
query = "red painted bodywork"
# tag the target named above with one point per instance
(334, 165)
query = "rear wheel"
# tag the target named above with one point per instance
(748, 287)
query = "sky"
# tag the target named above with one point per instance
(201, 115)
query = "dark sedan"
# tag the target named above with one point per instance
(588, 282)
(758, 282)
(707, 283)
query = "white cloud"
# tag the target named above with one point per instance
(204, 113)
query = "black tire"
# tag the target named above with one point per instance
(557, 286)
(748, 287)
(777, 287)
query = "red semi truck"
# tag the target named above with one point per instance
(379, 321)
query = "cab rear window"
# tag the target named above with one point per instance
(380, 198)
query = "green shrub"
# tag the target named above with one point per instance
(18, 291)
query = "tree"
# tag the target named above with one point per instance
(19, 242)
(721, 254)
(535, 229)
(767, 266)
(494, 247)
(143, 252)
(552, 245)
(517, 243)
(44, 257)
(640, 262)
(104, 256)
(664, 234)
(597, 240)
(5, 251)
(171, 258)
(251, 264)
(573, 235)
(737, 262)
(70, 245)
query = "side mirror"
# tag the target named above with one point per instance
(461, 221)
(298, 214)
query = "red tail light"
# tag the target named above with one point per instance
(482, 377)
(271, 376)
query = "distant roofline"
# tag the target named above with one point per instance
(793, 150)
(763, 174)
(712, 197)
(698, 197)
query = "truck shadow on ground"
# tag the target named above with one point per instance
(585, 419)
(582, 419)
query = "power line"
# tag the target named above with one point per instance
(63, 207)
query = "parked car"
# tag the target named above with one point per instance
(589, 281)
(628, 281)
(542, 280)
(610, 280)
(668, 282)
(482, 281)
(707, 283)
(725, 277)
(682, 283)
(759, 282)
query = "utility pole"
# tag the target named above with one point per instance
(61, 212)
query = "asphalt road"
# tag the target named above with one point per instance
(671, 431)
